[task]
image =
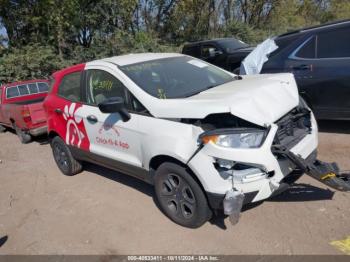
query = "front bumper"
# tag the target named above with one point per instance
(258, 188)
(216, 200)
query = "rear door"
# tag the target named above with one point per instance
(64, 110)
(321, 66)
(332, 71)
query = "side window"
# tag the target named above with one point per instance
(23, 90)
(43, 87)
(334, 43)
(69, 87)
(208, 51)
(33, 89)
(308, 49)
(12, 92)
(101, 85)
(192, 51)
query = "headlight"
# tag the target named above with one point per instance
(243, 138)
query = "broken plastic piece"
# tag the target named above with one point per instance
(329, 174)
(326, 173)
(253, 63)
(233, 203)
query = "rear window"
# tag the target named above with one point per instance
(27, 89)
(12, 92)
(33, 88)
(43, 87)
(23, 90)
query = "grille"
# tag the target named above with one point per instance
(293, 127)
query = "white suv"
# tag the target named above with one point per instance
(205, 138)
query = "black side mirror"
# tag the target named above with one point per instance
(115, 105)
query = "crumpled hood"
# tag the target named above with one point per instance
(259, 99)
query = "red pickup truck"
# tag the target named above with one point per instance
(21, 108)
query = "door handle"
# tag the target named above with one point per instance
(302, 67)
(92, 119)
(58, 111)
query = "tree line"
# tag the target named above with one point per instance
(43, 36)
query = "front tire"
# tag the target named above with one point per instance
(64, 159)
(180, 197)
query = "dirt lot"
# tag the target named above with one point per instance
(103, 212)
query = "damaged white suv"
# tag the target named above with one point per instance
(205, 138)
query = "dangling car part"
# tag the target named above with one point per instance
(327, 173)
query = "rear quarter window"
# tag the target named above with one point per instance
(308, 49)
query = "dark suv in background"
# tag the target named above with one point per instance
(319, 58)
(226, 53)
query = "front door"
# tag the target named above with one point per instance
(112, 142)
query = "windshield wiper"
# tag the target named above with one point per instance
(197, 92)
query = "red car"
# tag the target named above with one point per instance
(21, 108)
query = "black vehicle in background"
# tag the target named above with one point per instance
(226, 53)
(319, 58)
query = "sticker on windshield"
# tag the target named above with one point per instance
(197, 63)
(161, 94)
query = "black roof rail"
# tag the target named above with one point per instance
(208, 40)
(315, 27)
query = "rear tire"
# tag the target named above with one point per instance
(180, 197)
(64, 159)
(24, 137)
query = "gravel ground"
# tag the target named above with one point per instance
(103, 212)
